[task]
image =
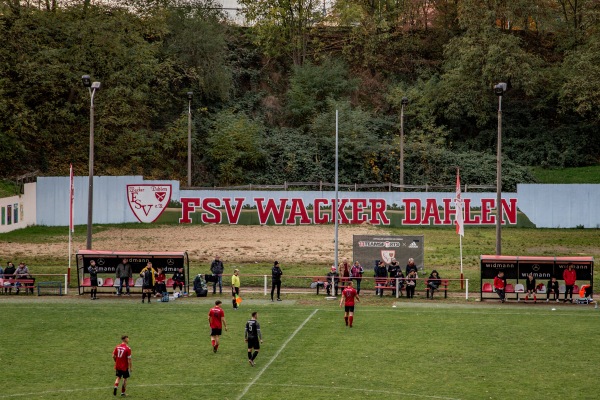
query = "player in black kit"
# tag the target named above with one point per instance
(253, 337)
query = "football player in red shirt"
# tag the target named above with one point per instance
(122, 357)
(216, 320)
(348, 296)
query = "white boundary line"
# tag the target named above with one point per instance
(253, 381)
(320, 387)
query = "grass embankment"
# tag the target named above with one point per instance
(568, 175)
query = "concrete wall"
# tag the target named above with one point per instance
(561, 206)
(47, 202)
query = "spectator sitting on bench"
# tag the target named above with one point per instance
(160, 286)
(332, 275)
(552, 287)
(434, 281)
(22, 272)
(500, 286)
(9, 273)
(411, 282)
(178, 279)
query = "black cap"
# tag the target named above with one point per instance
(276, 263)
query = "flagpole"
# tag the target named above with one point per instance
(71, 195)
(461, 265)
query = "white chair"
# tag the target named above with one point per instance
(117, 282)
(561, 289)
(519, 288)
(100, 281)
(542, 289)
(139, 282)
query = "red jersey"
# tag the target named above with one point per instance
(216, 314)
(569, 277)
(499, 283)
(122, 353)
(349, 293)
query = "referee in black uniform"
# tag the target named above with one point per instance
(253, 337)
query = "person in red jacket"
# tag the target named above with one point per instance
(500, 285)
(569, 276)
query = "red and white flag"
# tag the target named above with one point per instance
(71, 198)
(458, 206)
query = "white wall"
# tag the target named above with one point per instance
(25, 206)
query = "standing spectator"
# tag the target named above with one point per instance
(530, 288)
(9, 273)
(500, 285)
(93, 270)
(217, 268)
(178, 279)
(253, 336)
(22, 272)
(332, 278)
(357, 272)
(276, 273)
(552, 287)
(380, 278)
(411, 283)
(122, 356)
(410, 266)
(348, 296)
(344, 267)
(160, 286)
(1, 272)
(148, 281)
(235, 287)
(123, 274)
(434, 281)
(393, 269)
(569, 276)
(216, 321)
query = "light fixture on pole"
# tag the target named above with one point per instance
(403, 102)
(92, 87)
(190, 95)
(499, 90)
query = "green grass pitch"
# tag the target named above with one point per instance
(60, 348)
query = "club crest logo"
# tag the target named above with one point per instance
(148, 201)
(387, 255)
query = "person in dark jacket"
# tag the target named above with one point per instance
(530, 288)
(93, 270)
(434, 281)
(178, 279)
(410, 266)
(276, 273)
(411, 283)
(380, 277)
(393, 269)
(123, 273)
(356, 272)
(148, 281)
(552, 287)
(9, 273)
(217, 268)
(332, 276)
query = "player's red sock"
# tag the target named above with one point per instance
(212, 342)
(351, 319)
(217, 346)
(346, 319)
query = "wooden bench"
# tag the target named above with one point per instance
(28, 284)
(392, 288)
(443, 286)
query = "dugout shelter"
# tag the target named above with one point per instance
(516, 269)
(107, 262)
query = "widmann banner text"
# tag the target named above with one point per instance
(292, 211)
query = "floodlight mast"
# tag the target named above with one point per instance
(499, 90)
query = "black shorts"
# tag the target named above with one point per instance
(349, 308)
(215, 331)
(123, 374)
(94, 282)
(253, 343)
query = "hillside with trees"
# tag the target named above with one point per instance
(265, 92)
